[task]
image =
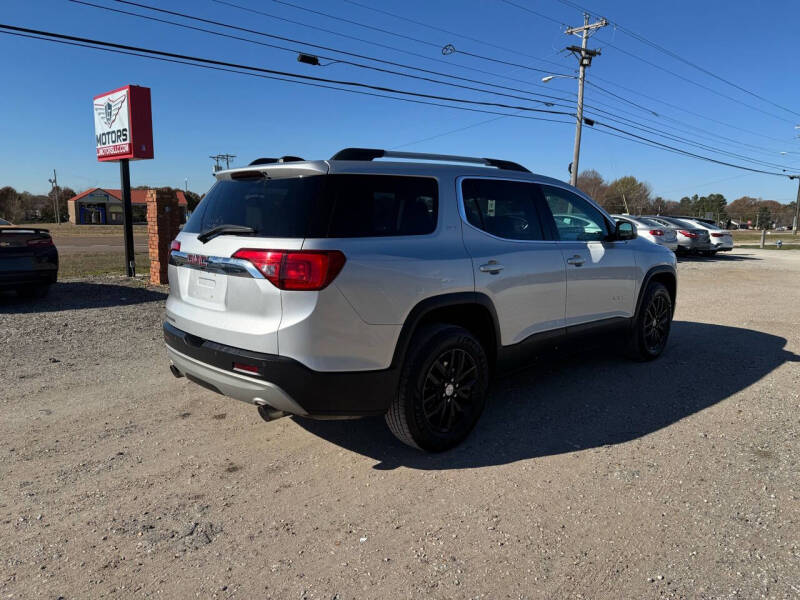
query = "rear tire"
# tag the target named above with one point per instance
(33, 291)
(650, 331)
(442, 389)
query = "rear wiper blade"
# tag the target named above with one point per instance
(225, 230)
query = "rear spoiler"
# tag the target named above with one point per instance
(31, 229)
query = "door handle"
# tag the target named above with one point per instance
(576, 260)
(491, 267)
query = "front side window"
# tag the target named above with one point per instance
(505, 209)
(575, 218)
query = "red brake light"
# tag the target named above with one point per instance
(717, 235)
(296, 270)
(48, 241)
(175, 245)
(688, 234)
(656, 232)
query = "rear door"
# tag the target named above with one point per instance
(601, 274)
(217, 296)
(514, 265)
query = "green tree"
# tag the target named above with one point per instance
(11, 208)
(628, 192)
(192, 199)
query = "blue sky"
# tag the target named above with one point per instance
(46, 114)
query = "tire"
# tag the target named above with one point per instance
(650, 331)
(429, 412)
(33, 291)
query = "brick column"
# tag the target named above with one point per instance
(163, 224)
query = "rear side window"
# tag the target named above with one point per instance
(382, 205)
(273, 207)
(322, 206)
(505, 209)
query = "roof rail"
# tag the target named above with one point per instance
(282, 159)
(373, 153)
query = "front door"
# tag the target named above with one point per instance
(514, 264)
(601, 274)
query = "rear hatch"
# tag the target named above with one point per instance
(219, 274)
(19, 247)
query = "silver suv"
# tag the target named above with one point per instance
(357, 286)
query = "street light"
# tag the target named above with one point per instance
(551, 77)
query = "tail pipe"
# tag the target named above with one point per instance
(174, 370)
(270, 414)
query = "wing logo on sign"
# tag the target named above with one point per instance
(108, 110)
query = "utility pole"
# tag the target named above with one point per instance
(796, 222)
(585, 59)
(218, 158)
(54, 184)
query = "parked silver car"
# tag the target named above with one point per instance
(721, 239)
(652, 230)
(356, 286)
(692, 239)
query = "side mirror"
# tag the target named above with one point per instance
(625, 231)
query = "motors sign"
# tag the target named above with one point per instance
(123, 125)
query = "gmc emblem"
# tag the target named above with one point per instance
(197, 260)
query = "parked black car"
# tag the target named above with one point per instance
(28, 259)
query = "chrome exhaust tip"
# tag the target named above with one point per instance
(268, 413)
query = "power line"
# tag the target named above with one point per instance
(435, 45)
(284, 73)
(331, 58)
(201, 63)
(662, 49)
(317, 82)
(447, 31)
(296, 50)
(311, 44)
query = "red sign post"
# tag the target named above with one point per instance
(123, 127)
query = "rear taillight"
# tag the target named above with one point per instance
(296, 270)
(656, 232)
(39, 242)
(688, 234)
(175, 245)
(717, 235)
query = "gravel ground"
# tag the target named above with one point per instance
(588, 476)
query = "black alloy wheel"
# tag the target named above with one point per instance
(448, 388)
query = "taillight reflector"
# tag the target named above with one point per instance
(41, 242)
(296, 270)
(717, 235)
(250, 369)
(175, 245)
(688, 234)
(656, 232)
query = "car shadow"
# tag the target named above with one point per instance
(585, 400)
(75, 295)
(718, 257)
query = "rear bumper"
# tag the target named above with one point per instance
(40, 276)
(281, 382)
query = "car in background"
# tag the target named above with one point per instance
(28, 260)
(692, 239)
(653, 231)
(721, 239)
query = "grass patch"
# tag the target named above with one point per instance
(68, 229)
(748, 235)
(88, 264)
(771, 246)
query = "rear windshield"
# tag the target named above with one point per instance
(322, 206)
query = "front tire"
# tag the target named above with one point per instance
(442, 390)
(650, 331)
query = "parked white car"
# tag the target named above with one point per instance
(721, 239)
(652, 230)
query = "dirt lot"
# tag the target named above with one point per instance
(588, 477)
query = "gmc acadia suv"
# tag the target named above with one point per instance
(357, 286)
